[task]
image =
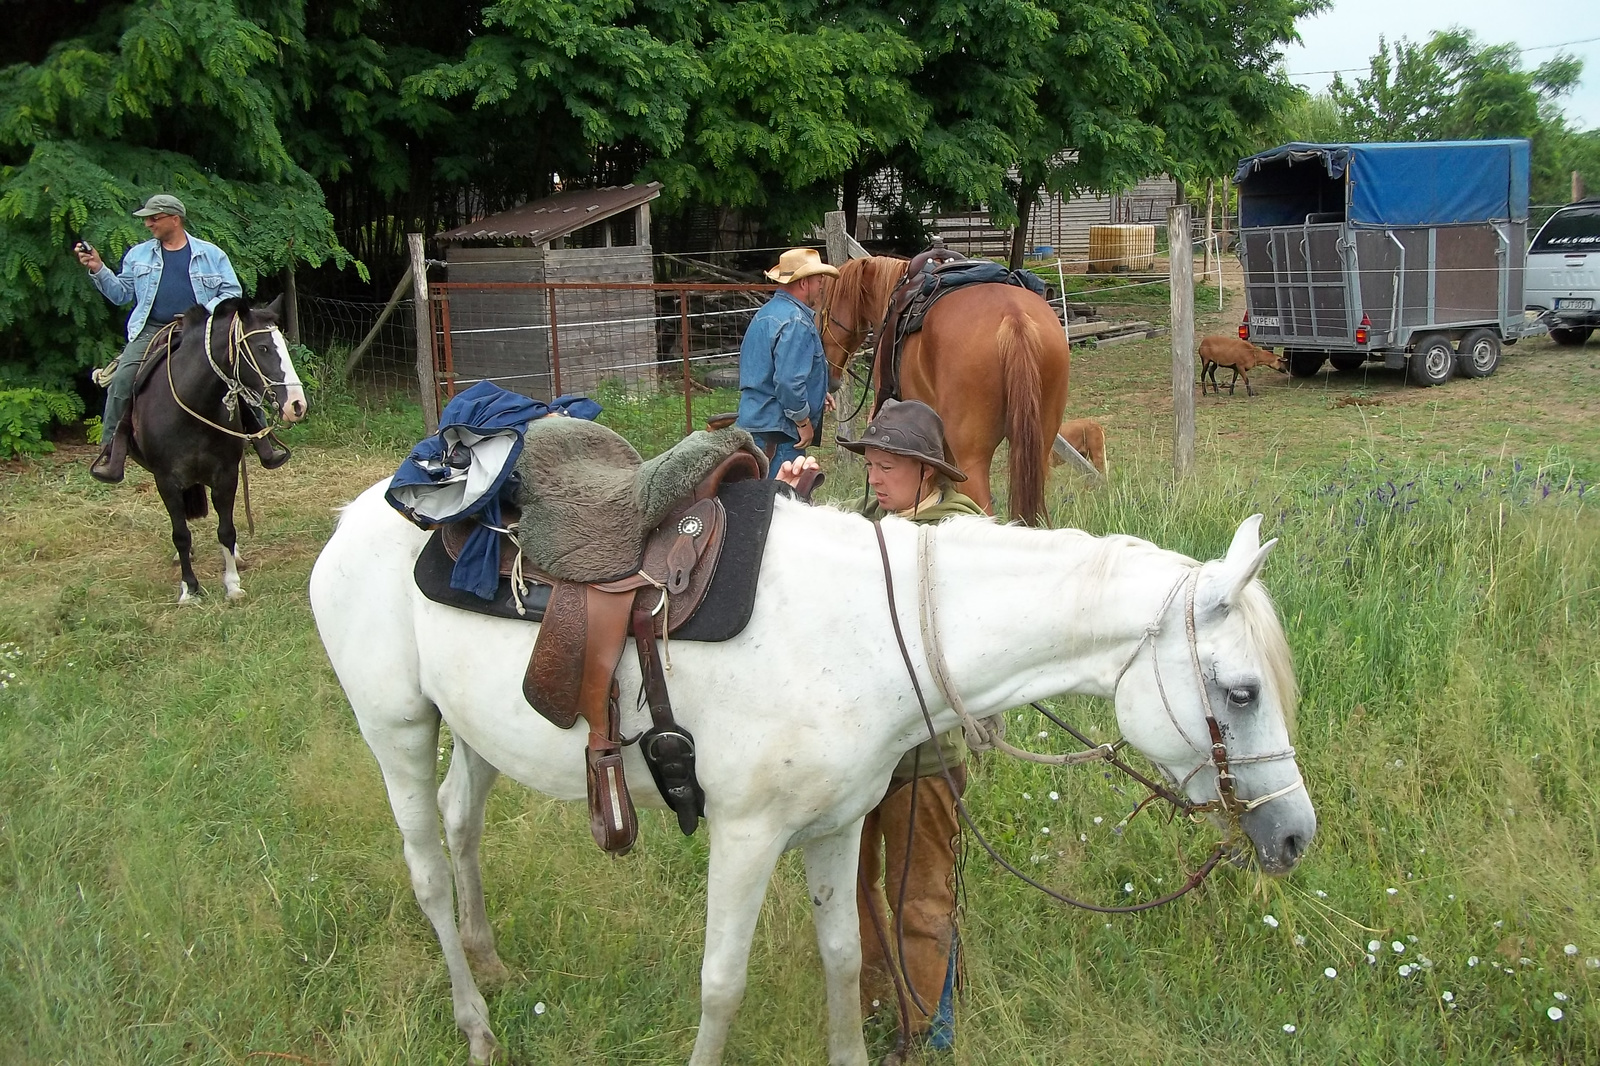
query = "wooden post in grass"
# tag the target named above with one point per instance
(1180, 272)
(423, 316)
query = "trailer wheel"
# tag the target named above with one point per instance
(1432, 361)
(1347, 362)
(1304, 364)
(1480, 354)
(1572, 337)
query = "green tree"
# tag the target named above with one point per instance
(102, 104)
(1313, 119)
(1455, 87)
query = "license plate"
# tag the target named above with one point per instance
(1264, 320)
(1568, 304)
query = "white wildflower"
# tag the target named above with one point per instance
(1083, 838)
(1055, 796)
(1289, 1027)
(1045, 830)
(1098, 819)
(1448, 996)
(1556, 1014)
(1373, 945)
(1269, 920)
(1561, 997)
(1043, 735)
(1027, 796)
(1321, 894)
(1405, 971)
(1571, 950)
(1330, 973)
(1299, 941)
(539, 1008)
(1392, 891)
(1411, 937)
(1372, 960)
(1128, 888)
(1399, 764)
(1472, 960)
(1399, 948)
(1592, 962)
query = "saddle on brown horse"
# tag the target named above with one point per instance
(629, 548)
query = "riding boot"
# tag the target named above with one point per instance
(269, 449)
(111, 464)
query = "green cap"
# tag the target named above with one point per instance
(162, 204)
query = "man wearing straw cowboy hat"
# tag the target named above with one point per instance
(783, 375)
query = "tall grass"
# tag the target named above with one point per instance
(197, 860)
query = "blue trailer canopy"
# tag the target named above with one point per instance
(1428, 183)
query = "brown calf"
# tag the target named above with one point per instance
(1089, 438)
(1240, 355)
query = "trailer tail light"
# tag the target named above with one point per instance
(1244, 327)
(1362, 330)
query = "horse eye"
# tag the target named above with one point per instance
(1242, 696)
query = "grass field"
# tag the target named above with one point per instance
(197, 861)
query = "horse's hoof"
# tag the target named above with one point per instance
(185, 595)
(486, 1049)
(235, 595)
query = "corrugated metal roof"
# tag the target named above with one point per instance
(542, 221)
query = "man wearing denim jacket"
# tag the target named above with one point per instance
(162, 277)
(783, 374)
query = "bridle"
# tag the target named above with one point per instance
(846, 337)
(987, 734)
(238, 351)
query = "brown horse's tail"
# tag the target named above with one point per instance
(1019, 345)
(194, 501)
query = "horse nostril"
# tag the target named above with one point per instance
(1293, 846)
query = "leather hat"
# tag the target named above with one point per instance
(799, 263)
(910, 428)
(162, 204)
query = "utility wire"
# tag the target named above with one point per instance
(1530, 48)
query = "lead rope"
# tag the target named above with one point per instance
(966, 817)
(236, 335)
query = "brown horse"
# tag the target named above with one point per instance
(991, 359)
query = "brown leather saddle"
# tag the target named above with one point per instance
(907, 304)
(586, 626)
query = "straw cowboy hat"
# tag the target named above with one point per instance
(799, 263)
(910, 428)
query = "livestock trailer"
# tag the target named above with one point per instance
(1412, 254)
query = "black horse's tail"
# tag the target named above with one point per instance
(194, 501)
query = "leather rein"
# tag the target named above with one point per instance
(989, 734)
(238, 350)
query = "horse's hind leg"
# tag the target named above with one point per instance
(222, 497)
(831, 881)
(743, 855)
(182, 540)
(405, 745)
(461, 801)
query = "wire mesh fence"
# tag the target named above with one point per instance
(545, 339)
(382, 371)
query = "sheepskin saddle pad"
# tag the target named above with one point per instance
(589, 502)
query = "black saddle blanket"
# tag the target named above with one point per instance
(722, 615)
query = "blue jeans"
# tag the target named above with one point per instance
(781, 447)
(119, 394)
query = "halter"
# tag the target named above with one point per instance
(237, 350)
(1216, 755)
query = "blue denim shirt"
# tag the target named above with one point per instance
(209, 272)
(783, 375)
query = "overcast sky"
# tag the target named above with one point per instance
(1346, 35)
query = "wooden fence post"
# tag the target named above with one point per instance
(291, 306)
(423, 314)
(1180, 256)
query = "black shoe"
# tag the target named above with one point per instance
(106, 466)
(271, 453)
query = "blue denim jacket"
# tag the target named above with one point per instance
(209, 272)
(783, 375)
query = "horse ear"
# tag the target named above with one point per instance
(1242, 563)
(275, 308)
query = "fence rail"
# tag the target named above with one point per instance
(546, 339)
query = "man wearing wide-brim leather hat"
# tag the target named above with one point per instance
(908, 841)
(783, 374)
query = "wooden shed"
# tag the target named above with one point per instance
(599, 237)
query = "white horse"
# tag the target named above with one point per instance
(796, 742)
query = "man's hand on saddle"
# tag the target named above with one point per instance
(792, 470)
(88, 256)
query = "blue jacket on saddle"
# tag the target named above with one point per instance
(783, 376)
(209, 272)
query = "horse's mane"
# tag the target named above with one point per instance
(860, 294)
(1254, 606)
(241, 305)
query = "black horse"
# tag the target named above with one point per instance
(186, 425)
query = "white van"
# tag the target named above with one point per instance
(1563, 279)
